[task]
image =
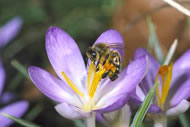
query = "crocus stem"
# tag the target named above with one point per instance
(90, 121)
(125, 116)
(160, 122)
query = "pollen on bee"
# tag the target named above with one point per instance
(109, 66)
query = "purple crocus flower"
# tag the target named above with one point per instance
(174, 85)
(17, 109)
(7, 33)
(79, 90)
(10, 30)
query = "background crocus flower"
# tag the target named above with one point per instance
(79, 90)
(7, 33)
(10, 30)
(16, 109)
(174, 87)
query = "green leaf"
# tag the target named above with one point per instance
(15, 81)
(22, 69)
(20, 121)
(78, 123)
(139, 116)
(171, 52)
(183, 120)
(153, 41)
(34, 112)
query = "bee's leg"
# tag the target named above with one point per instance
(105, 74)
(117, 71)
(97, 66)
(114, 77)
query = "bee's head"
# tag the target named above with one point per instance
(92, 54)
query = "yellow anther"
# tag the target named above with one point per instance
(166, 76)
(95, 80)
(72, 85)
(91, 73)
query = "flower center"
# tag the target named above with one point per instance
(93, 80)
(165, 72)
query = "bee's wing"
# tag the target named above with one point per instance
(116, 46)
(119, 47)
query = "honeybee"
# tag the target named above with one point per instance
(110, 60)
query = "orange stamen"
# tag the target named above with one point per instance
(166, 76)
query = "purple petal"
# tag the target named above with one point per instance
(135, 72)
(139, 92)
(16, 109)
(100, 117)
(111, 37)
(116, 104)
(6, 97)
(65, 55)
(181, 68)
(2, 77)
(183, 62)
(153, 68)
(127, 81)
(10, 30)
(154, 109)
(179, 108)
(136, 102)
(183, 92)
(140, 52)
(70, 112)
(52, 86)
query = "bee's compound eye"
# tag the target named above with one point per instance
(92, 54)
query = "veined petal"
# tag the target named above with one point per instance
(179, 108)
(70, 112)
(183, 61)
(2, 77)
(181, 67)
(183, 92)
(112, 37)
(153, 68)
(65, 55)
(16, 109)
(10, 30)
(127, 81)
(52, 86)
